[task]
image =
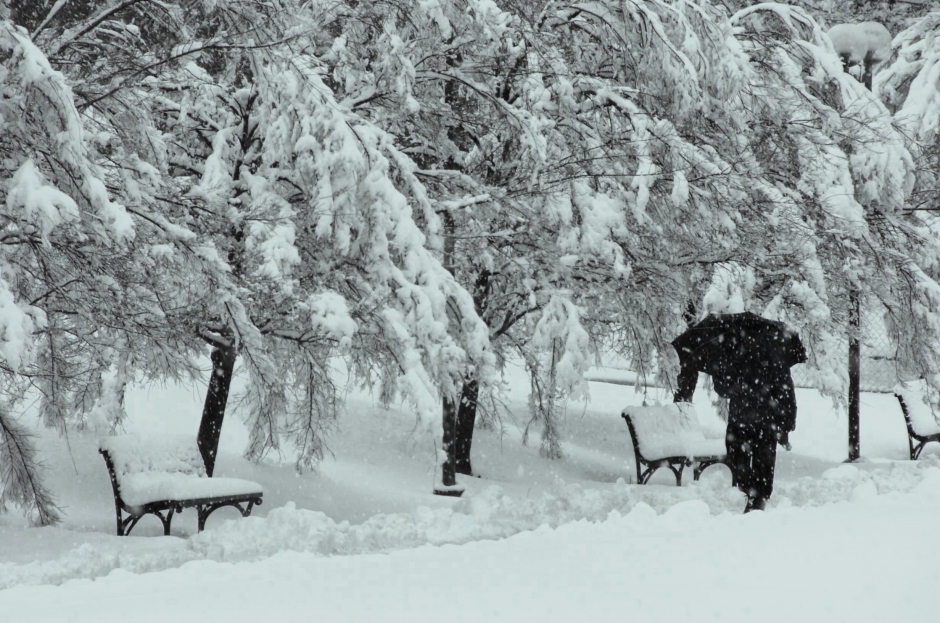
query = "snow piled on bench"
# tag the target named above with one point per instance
(134, 454)
(166, 468)
(923, 419)
(672, 430)
(140, 489)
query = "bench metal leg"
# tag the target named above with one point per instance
(204, 511)
(676, 468)
(700, 467)
(912, 436)
(918, 447)
(166, 522)
(127, 524)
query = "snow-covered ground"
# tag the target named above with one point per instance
(532, 539)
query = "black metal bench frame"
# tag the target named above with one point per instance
(645, 467)
(913, 435)
(204, 506)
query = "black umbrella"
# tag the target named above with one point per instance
(734, 347)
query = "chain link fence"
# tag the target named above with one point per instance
(879, 370)
(878, 366)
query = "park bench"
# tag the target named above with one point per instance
(162, 476)
(671, 436)
(922, 426)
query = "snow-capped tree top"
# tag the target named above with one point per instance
(911, 83)
(856, 42)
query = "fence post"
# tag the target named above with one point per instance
(854, 331)
(854, 374)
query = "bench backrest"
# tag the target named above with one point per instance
(665, 430)
(919, 413)
(133, 454)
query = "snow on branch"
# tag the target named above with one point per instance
(559, 333)
(21, 483)
(58, 128)
(868, 42)
(911, 83)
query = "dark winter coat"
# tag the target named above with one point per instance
(759, 391)
(749, 360)
(765, 395)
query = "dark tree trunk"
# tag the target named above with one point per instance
(449, 437)
(210, 428)
(470, 392)
(466, 419)
(448, 473)
(854, 376)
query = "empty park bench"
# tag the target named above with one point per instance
(922, 426)
(166, 475)
(671, 436)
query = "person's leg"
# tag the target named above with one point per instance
(762, 449)
(755, 504)
(738, 455)
(764, 460)
(751, 457)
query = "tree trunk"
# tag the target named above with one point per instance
(470, 392)
(466, 419)
(210, 428)
(854, 375)
(449, 438)
(448, 472)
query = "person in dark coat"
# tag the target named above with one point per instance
(761, 414)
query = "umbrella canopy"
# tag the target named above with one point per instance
(734, 347)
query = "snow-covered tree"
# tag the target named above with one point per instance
(611, 155)
(910, 85)
(864, 240)
(426, 187)
(896, 15)
(312, 206)
(92, 284)
(267, 217)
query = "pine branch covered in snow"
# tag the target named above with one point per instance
(424, 188)
(312, 210)
(21, 474)
(631, 178)
(97, 282)
(910, 85)
(854, 176)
